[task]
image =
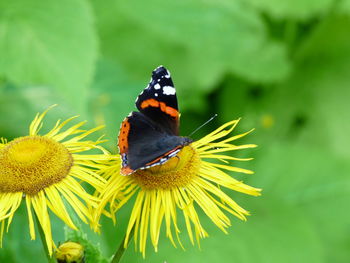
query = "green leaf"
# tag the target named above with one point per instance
(92, 251)
(322, 81)
(311, 106)
(48, 43)
(219, 35)
(274, 233)
(344, 7)
(293, 9)
(199, 42)
(20, 104)
(17, 243)
(316, 182)
(113, 93)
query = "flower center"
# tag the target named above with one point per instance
(177, 172)
(29, 164)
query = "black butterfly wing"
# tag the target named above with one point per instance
(143, 143)
(158, 101)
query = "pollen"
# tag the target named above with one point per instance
(29, 164)
(177, 172)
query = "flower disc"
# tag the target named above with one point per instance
(29, 164)
(177, 172)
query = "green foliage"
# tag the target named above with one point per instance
(283, 66)
(91, 251)
(293, 9)
(48, 43)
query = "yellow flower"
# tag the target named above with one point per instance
(70, 252)
(192, 179)
(46, 172)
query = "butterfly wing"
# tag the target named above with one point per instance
(142, 143)
(158, 101)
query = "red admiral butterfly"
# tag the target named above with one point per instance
(151, 136)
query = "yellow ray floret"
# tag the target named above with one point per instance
(195, 178)
(47, 171)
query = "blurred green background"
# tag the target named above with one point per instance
(283, 66)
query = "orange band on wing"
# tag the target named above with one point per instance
(126, 170)
(163, 107)
(123, 136)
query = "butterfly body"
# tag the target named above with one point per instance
(150, 137)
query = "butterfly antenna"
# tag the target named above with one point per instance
(200, 127)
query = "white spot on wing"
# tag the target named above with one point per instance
(157, 86)
(162, 160)
(168, 90)
(167, 75)
(156, 94)
(173, 153)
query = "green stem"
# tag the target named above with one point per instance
(120, 252)
(50, 259)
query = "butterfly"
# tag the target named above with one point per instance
(150, 136)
